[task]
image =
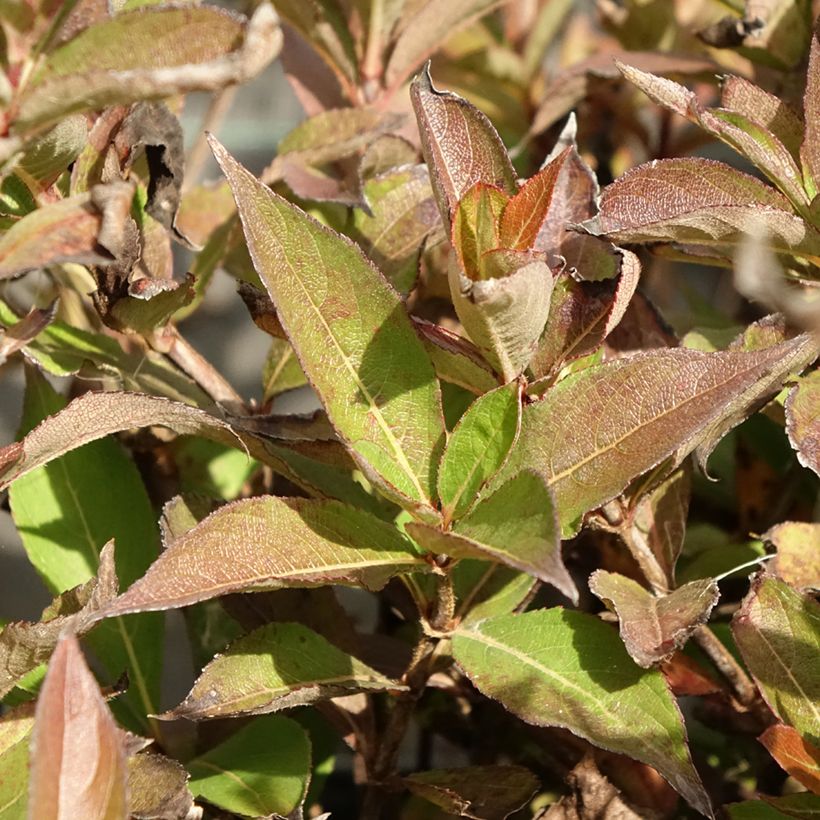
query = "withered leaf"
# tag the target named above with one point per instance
(157, 788)
(17, 336)
(653, 627)
(78, 759)
(23, 645)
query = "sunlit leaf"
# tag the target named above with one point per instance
(353, 338)
(653, 627)
(262, 769)
(466, 791)
(269, 542)
(478, 447)
(560, 668)
(777, 632)
(276, 667)
(15, 734)
(798, 553)
(460, 146)
(78, 759)
(803, 420)
(794, 754)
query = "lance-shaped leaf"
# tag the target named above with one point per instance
(86, 228)
(652, 628)
(560, 668)
(276, 667)
(157, 788)
(269, 542)
(599, 428)
(809, 150)
(798, 553)
(803, 420)
(778, 633)
(22, 332)
(746, 134)
(23, 646)
(78, 759)
(698, 202)
(478, 447)
(504, 316)
(352, 336)
(147, 54)
(794, 754)
(460, 146)
(15, 734)
(479, 792)
(484, 588)
(516, 526)
(281, 371)
(262, 769)
(475, 227)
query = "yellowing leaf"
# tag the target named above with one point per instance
(803, 420)
(353, 338)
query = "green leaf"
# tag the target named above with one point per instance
(211, 469)
(515, 525)
(47, 157)
(802, 805)
(466, 792)
(460, 146)
(353, 337)
(157, 787)
(599, 428)
(699, 202)
(652, 628)
(798, 553)
(262, 769)
(269, 542)
(478, 447)
(277, 666)
(148, 53)
(803, 420)
(484, 589)
(282, 370)
(778, 633)
(559, 668)
(65, 511)
(15, 735)
(476, 227)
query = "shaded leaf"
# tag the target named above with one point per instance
(700, 202)
(798, 553)
(801, 805)
(269, 542)
(149, 53)
(277, 666)
(652, 628)
(803, 420)
(23, 645)
(157, 788)
(263, 768)
(78, 759)
(484, 589)
(515, 525)
(641, 408)
(460, 146)
(282, 371)
(86, 228)
(504, 316)
(560, 668)
(353, 338)
(794, 754)
(478, 447)
(777, 633)
(482, 792)
(46, 158)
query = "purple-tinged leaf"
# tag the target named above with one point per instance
(803, 420)
(277, 666)
(698, 202)
(777, 633)
(599, 428)
(353, 337)
(86, 228)
(798, 553)
(157, 788)
(460, 146)
(147, 54)
(560, 668)
(478, 447)
(23, 645)
(78, 764)
(515, 525)
(794, 754)
(267, 543)
(810, 147)
(653, 628)
(480, 792)
(504, 316)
